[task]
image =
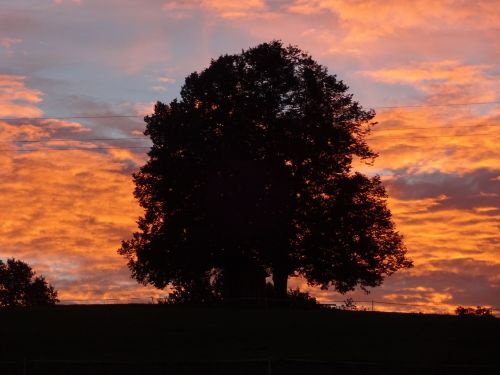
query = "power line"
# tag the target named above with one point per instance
(421, 304)
(436, 105)
(97, 116)
(72, 149)
(146, 139)
(439, 127)
(74, 139)
(432, 136)
(369, 136)
(104, 116)
(146, 147)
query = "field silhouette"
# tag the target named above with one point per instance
(152, 339)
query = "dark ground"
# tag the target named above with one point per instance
(159, 339)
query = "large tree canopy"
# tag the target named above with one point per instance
(250, 175)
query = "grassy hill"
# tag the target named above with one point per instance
(142, 339)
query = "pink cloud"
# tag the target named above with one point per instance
(9, 42)
(61, 2)
(225, 8)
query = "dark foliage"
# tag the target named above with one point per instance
(471, 311)
(194, 295)
(201, 290)
(19, 286)
(250, 175)
(298, 299)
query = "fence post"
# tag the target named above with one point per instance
(373, 309)
(269, 372)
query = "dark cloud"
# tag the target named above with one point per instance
(437, 286)
(279, 5)
(15, 23)
(474, 189)
(468, 281)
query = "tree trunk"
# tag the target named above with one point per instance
(244, 284)
(280, 281)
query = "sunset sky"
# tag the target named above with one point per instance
(430, 69)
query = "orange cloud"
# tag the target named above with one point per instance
(423, 141)
(368, 20)
(440, 165)
(69, 210)
(16, 99)
(443, 233)
(446, 81)
(65, 212)
(449, 138)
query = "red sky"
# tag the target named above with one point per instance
(65, 212)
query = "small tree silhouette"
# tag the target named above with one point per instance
(299, 299)
(471, 311)
(19, 286)
(480, 311)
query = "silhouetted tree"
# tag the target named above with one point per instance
(19, 286)
(250, 175)
(302, 300)
(479, 311)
